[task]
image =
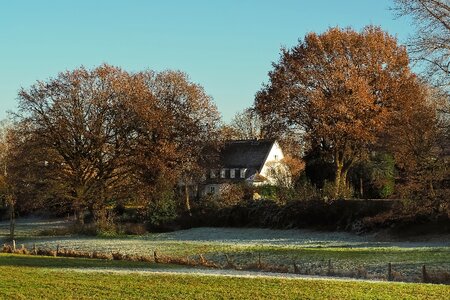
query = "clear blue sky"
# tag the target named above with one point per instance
(226, 46)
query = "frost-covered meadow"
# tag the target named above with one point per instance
(312, 251)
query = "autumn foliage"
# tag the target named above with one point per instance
(106, 135)
(340, 89)
(344, 103)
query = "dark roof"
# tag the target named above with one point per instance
(249, 154)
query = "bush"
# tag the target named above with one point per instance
(229, 196)
(162, 208)
(105, 222)
(331, 215)
(413, 217)
(269, 192)
(232, 195)
(329, 190)
(133, 228)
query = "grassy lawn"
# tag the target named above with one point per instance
(23, 277)
(407, 261)
(310, 250)
(11, 260)
(369, 256)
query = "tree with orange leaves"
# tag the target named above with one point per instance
(113, 135)
(417, 139)
(339, 89)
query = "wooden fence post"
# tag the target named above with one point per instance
(202, 260)
(329, 267)
(296, 268)
(14, 245)
(230, 263)
(389, 274)
(259, 261)
(425, 277)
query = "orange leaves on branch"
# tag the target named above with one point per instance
(340, 88)
(115, 133)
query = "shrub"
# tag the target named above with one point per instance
(106, 224)
(162, 208)
(329, 189)
(335, 214)
(415, 217)
(133, 228)
(231, 195)
(269, 192)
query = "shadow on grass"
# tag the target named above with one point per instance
(64, 262)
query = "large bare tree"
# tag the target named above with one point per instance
(431, 42)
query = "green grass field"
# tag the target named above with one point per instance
(406, 262)
(30, 277)
(351, 255)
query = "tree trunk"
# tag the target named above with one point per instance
(79, 216)
(432, 194)
(338, 178)
(79, 205)
(99, 211)
(361, 189)
(344, 182)
(187, 199)
(12, 218)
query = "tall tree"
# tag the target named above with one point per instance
(4, 128)
(247, 125)
(338, 89)
(111, 135)
(194, 122)
(417, 139)
(6, 194)
(431, 43)
(80, 116)
(33, 173)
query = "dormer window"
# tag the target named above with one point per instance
(276, 157)
(232, 173)
(222, 173)
(243, 173)
(212, 174)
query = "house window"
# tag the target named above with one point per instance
(232, 173)
(276, 157)
(243, 173)
(212, 189)
(222, 173)
(212, 174)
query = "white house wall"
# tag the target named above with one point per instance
(274, 157)
(274, 162)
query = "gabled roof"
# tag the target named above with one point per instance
(249, 154)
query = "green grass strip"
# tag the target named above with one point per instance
(28, 277)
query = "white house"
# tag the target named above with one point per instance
(256, 162)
